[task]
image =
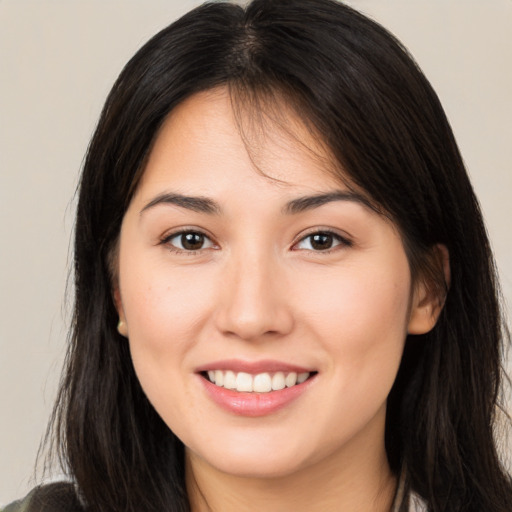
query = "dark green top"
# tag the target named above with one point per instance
(62, 497)
(56, 497)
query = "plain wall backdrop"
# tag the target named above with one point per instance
(58, 60)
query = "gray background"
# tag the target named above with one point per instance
(58, 60)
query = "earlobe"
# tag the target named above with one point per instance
(424, 312)
(430, 293)
(122, 327)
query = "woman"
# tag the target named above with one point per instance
(285, 296)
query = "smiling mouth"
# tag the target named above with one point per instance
(259, 383)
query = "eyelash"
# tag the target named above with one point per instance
(341, 241)
(166, 240)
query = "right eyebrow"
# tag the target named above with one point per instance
(302, 204)
(195, 203)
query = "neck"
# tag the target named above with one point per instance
(366, 484)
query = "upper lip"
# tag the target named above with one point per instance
(252, 367)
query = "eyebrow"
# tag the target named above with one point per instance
(303, 204)
(201, 204)
(194, 203)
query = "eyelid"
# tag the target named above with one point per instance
(344, 240)
(169, 235)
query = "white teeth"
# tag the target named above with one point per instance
(260, 383)
(290, 380)
(278, 381)
(302, 377)
(243, 382)
(229, 380)
(219, 377)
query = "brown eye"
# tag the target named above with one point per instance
(321, 241)
(192, 241)
(189, 241)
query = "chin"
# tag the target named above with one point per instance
(258, 466)
(270, 454)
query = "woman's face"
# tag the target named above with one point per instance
(281, 285)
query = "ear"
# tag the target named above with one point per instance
(122, 326)
(430, 293)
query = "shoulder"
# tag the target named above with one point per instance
(55, 497)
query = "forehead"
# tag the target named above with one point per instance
(211, 136)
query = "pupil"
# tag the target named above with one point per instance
(192, 241)
(321, 241)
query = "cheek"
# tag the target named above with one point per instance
(165, 311)
(164, 307)
(361, 322)
(360, 317)
(357, 303)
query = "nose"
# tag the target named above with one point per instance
(254, 303)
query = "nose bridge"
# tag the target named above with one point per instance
(254, 300)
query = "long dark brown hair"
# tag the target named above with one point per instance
(357, 86)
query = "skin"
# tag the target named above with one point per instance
(257, 289)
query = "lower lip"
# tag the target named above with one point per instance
(254, 404)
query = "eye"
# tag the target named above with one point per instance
(188, 241)
(321, 241)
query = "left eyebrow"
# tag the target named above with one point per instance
(302, 204)
(194, 203)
